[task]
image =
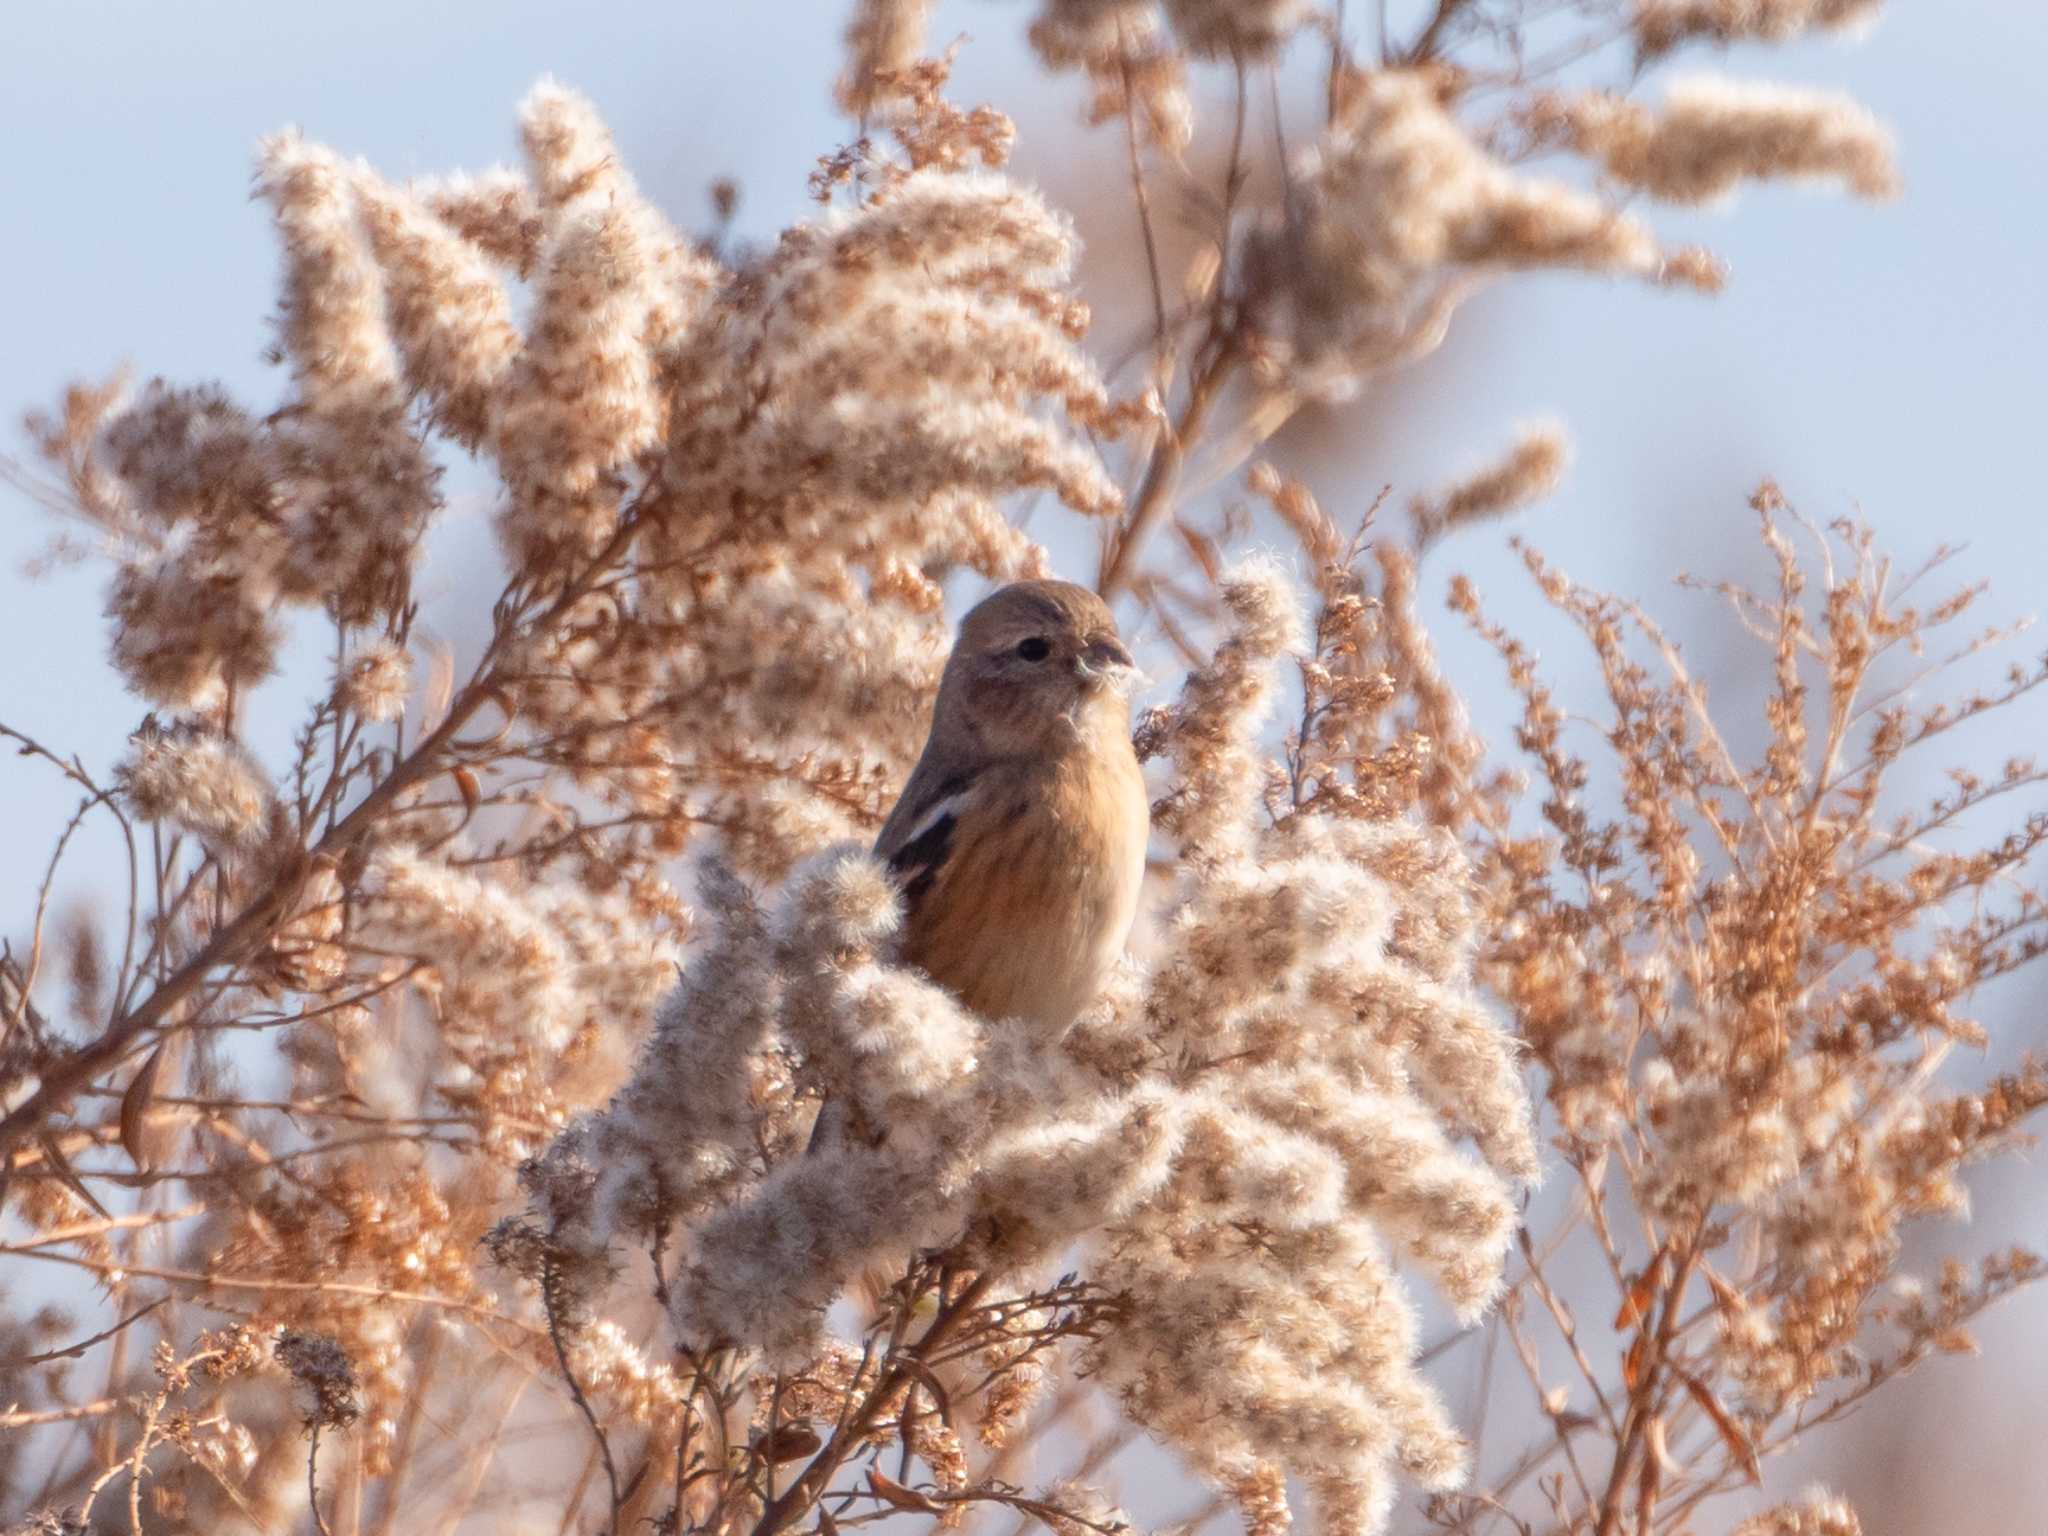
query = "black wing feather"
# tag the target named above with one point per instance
(917, 863)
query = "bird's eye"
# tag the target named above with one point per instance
(1037, 648)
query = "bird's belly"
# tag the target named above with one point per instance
(1028, 923)
(1044, 967)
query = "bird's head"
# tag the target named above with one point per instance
(1036, 664)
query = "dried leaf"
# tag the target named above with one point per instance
(61, 1166)
(135, 1107)
(1632, 1362)
(790, 1442)
(508, 709)
(891, 1492)
(1635, 1301)
(465, 780)
(1725, 1295)
(1203, 549)
(941, 1399)
(440, 689)
(1660, 1451)
(1732, 1433)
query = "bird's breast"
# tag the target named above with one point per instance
(1036, 901)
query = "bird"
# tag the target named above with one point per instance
(1018, 843)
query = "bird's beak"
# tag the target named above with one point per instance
(1106, 661)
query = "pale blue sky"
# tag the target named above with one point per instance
(1888, 359)
(1891, 361)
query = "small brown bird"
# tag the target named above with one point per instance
(1020, 838)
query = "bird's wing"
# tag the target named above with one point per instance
(918, 837)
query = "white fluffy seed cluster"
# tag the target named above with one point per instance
(847, 422)
(1084, 31)
(614, 289)
(1714, 133)
(1219, 29)
(800, 453)
(518, 975)
(391, 299)
(1396, 206)
(897, 350)
(361, 488)
(1250, 1137)
(199, 781)
(375, 682)
(1815, 1513)
(1311, 990)
(1532, 468)
(1662, 25)
(883, 39)
(707, 1134)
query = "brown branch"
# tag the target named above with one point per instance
(1425, 45)
(811, 1483)
(312, 1484)
(549, 1291)
(1162, 473)
(1645, 1390)
(246, 933)
(74, 1351)
(29, 1417)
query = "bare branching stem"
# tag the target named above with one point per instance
(1154, 500)
(810, 1484)
(550, 1292)
(243, 934)
(313, 1480)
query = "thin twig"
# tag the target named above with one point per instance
(74, 1351)
(312, 1481)
(548, 1292)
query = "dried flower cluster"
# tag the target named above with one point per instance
(1713, 134)
(1533, 467)
(199, 781)
(1818, 1514)
(1742, 1006)
(1662, 25)
(1395, 206)
(1415, 187)
(1244, 1139)
(427, 1107)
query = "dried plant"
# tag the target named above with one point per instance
(449, 1137)
(1742, 989)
